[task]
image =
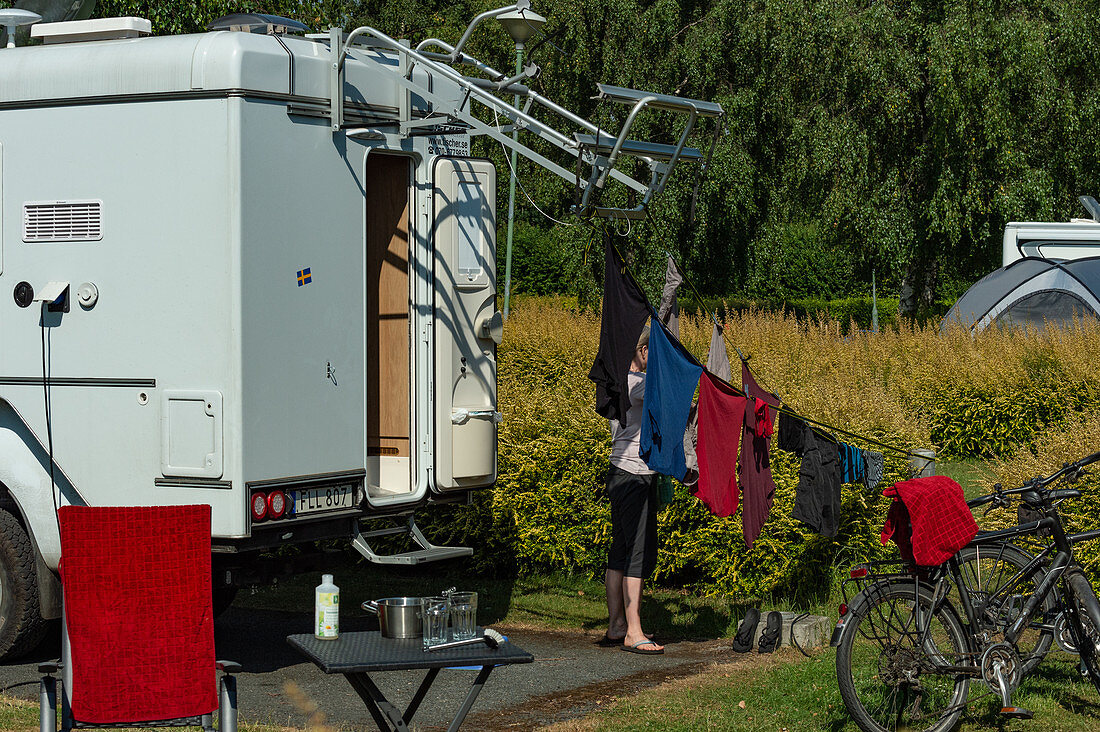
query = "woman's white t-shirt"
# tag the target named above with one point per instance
(625, 440)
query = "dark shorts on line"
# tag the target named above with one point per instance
(633, 522)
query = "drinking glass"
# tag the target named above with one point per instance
(434, 612)
(463, 615)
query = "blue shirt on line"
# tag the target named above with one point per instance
(671, 379)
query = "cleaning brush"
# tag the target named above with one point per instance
(491, 638)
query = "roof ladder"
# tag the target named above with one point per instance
(428, 552)
(599, 149)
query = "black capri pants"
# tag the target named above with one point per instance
(633, 522)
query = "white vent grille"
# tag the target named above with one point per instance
(63, 221)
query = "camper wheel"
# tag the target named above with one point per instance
(223, 598)
(22, 626)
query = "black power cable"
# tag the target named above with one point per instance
(47, 368)
(794, 641)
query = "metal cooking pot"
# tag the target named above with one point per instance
(398, 617)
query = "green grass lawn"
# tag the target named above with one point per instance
(785, 691)
(973, 475)
(18, 715)
(790, 692)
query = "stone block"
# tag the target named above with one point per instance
(812, 631)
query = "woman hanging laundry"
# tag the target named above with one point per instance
(632, 488)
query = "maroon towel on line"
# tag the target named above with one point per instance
(721, 413)
(757, 484)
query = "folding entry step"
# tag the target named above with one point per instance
(428, 551)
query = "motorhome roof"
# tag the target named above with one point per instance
(186, 64)
(1073, 225)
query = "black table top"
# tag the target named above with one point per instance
(369, 651)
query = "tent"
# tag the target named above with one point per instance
(1030, 291)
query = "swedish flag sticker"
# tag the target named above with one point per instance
(304, 277)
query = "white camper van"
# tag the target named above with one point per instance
(1074, 239)
(254, 268)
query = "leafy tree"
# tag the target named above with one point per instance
(894, 138)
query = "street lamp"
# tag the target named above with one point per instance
(12, 18)
(521, 25)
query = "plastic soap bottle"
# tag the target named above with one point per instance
(326, 610)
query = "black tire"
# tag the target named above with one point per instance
(223, 598)
(987, 571)
(885, 668)
(22, 626)
(1083, 597)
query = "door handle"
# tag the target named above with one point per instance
(491, 327)
(462, 416)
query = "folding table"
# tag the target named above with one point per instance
(357, 655)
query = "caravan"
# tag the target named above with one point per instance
(255, 268)
(1074, 239)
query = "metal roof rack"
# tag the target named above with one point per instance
(654, 150)
(597, 148)
(623, 95)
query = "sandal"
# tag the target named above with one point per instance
(769, 639)
(742, 642)
(637, 648)
(608, 642)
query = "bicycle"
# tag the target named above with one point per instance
(1001, 575)
(909, 644)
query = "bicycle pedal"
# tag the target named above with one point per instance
(1017, 713)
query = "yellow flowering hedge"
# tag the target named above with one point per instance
(995, 394)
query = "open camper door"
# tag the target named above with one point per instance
(467, 324)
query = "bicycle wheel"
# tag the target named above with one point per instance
(998, 596)
(1083, 597)
(893, 659)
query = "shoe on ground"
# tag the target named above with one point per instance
(769, 639)
(746, 632)
(640, 648)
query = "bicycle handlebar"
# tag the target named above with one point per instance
(1037, 483)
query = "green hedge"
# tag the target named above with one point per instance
(975, 421)
(991, 418)
(845, 311)
(547, 512)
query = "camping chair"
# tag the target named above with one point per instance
(137, 637)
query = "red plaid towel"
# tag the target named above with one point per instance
(137, 605)
(941, 521)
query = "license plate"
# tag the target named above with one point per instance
(321, 500)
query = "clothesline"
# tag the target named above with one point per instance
(782, 406)
(786, 410)
(698, 297)
(720, 443)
